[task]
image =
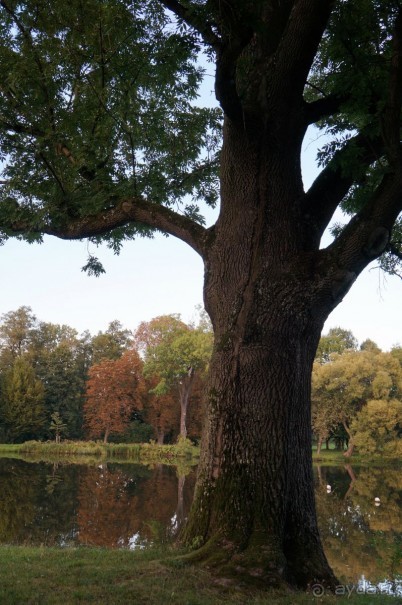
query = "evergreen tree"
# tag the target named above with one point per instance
(57, 426)
(22, 409)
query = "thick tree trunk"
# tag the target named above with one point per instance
(254, 508)
(254, 505)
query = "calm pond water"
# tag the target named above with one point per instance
(130, 506)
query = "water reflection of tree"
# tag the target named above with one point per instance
(164, 503)
(359, 537)
(29, 513)
(107, 510)
(17, 513)
(127, 505)
(122, 507)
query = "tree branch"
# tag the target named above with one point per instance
(60, 148)
(332, 184)
(321, 108)
(225, 77)
(391, 122)
(132, 210)
(368, 233)
(27, 35)
(20, 128)
(194, 19)
(300, 40)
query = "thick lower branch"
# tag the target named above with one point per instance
(128, 211)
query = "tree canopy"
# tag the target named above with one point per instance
(98, 106)
(99, 112)
(22, 410)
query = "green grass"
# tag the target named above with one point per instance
(49, 576)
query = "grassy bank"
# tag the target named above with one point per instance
(151, 453)
(145, 453)
(336, 457)
(49, 576)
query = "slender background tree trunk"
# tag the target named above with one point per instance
(184, 393)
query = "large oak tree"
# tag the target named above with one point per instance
(102, 139)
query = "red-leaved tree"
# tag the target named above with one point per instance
(115, 390)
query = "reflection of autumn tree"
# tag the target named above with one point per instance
(352, 527)
(387, 486)
(185, 489)
(115, 391)
(107, 511)
(158, 504)
(116, 504)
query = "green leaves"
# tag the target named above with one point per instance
(93, 266)
(377, 427)
(172, 350)
(344, 387)
(97, 104)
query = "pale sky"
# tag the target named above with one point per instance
(156, 277)
(161, 276)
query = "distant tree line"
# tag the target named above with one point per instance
(116, 385)
(125, 386)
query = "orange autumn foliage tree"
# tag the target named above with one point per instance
(115, 391)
